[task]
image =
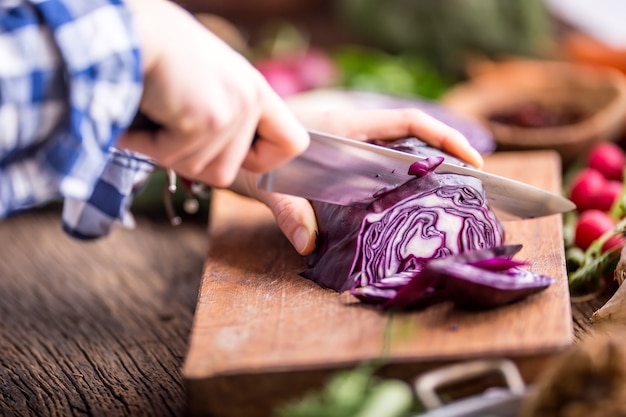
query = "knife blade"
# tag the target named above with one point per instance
(348, 172)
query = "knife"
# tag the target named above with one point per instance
(348, 172)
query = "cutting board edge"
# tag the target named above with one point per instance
(395, 360)
(255, 397)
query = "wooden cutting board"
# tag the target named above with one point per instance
(262, 334)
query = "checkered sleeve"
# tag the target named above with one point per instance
(70, 83)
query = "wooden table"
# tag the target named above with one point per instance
(101, 328)
(97, 328)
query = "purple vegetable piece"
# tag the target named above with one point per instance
(474, 288)
(374, 295)
(419, 169)
(431, 216)
(493, 280)
(432, 239)
(497, 264)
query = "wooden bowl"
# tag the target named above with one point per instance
(577, 105)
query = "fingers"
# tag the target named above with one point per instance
(294, 216)
(209, 99)
(214, 156)
(280, 135)
(442, 136)
(220, 166)
(396, 124)
(207, 164)
(296, 219)
(413, 122)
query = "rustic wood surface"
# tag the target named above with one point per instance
(260, 325)
(95, 328)
(102, 328)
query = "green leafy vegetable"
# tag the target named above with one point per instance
(356, 393)
(401, 74)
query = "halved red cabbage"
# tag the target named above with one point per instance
(381, 252)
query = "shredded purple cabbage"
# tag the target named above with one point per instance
(491, 281)
(412, 245)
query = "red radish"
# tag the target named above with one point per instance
(608, 195)
(281, 76)
(614, 242)
(298, 71)
(316, 69)
(585, 187)
(591, 225)
(609, 159)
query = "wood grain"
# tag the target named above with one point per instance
(262, 334)
(95, 328)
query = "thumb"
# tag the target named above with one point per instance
(296, 219)
(294, 215)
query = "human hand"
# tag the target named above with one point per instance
(390, 124)
(296, 217)
(208, 99)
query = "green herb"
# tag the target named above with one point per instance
(355, 393)
(396, 74)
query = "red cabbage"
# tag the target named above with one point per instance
(472, 280)
(392, 253)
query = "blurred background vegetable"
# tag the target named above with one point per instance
(356, 393)
(594, 233)
(447, 33)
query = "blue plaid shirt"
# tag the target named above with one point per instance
(70, 83)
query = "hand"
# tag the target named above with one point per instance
(370, 125)
(209, 99)
(295, 216)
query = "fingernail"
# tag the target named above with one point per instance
(301, 239)
(478, 159)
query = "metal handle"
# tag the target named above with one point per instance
(427, 384)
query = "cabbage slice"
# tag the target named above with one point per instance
(410, 246)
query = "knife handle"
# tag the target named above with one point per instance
(145, 123)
